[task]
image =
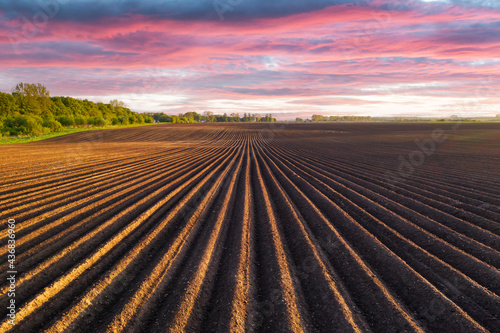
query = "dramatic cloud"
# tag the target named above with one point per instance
(379, 57)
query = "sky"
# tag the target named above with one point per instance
(290, 58)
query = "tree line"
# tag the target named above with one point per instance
(210, 117)
(30, 110)
(316, 118)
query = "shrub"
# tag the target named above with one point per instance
(96, 121)
(24, 124)
(80, 121)
(66, 121)
(53, 125)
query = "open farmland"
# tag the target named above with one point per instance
(255, 227)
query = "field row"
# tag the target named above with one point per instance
(271, 228)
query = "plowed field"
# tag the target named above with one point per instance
(255, 227)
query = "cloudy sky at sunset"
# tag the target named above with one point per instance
(287, 57)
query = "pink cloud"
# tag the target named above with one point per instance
(336, 51)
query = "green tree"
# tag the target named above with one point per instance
(209, 116)
(165, 118)
(36, 95)
(236, 117)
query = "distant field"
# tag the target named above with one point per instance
(334, 227)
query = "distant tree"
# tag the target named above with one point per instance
(235, 117)
(248, 117)
(209, 116)
(193, 116)
(268, 118)
(34, 98)
(318, 118)
(163, 118)
(116, 103)
(31, 90)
